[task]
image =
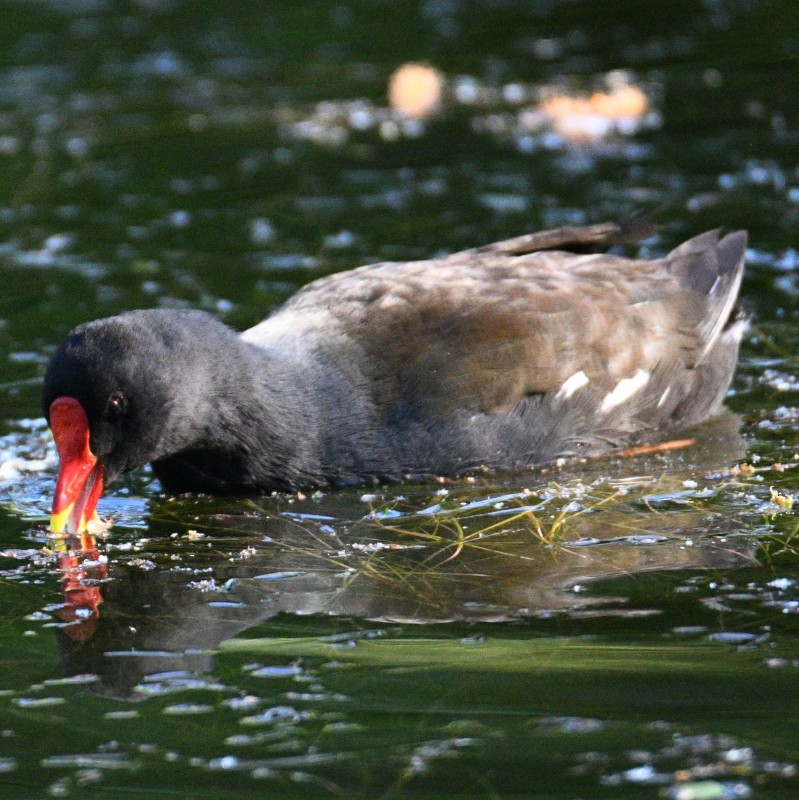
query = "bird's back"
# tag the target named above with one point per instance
(513, 355)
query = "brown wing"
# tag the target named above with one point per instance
(482, 329)
(486, 336)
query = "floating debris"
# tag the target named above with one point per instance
(743, 469)
(783, 501)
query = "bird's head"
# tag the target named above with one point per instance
(118, 393)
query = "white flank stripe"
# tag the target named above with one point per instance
(572, 384)
(624, 390)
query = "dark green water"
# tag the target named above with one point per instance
(624, 629)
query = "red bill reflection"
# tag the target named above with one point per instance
(83, 571)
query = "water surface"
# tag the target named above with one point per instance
(623, 628)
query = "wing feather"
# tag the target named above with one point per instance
(483, 329)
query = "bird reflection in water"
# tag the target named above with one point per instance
(83, 569)
(171, 605)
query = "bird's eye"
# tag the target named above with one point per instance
(114, 407)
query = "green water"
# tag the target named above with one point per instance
(621, 629)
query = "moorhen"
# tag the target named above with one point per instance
(510, 355)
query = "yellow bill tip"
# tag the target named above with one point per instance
(58, 520)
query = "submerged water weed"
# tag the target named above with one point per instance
(424, 531)
(478, 550)
(560, 513)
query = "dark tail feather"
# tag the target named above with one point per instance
(700, 261)
(712, 267)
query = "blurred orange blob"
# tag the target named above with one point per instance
(623, 102)
(621, 106)
(415, 90)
